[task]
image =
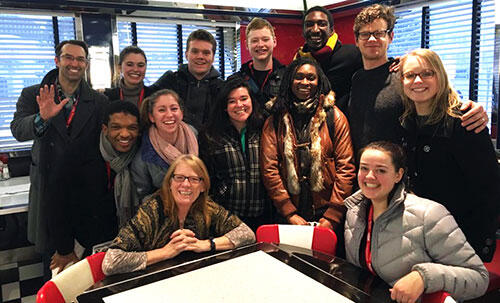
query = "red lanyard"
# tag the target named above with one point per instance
(141, 96)
(71, 113)
(368, 251)
(108, 171)
(265, 80)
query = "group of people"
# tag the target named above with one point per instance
(196, 163)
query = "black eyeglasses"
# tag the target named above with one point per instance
(72, 58)
(425, 74)
(191, 179)
(376, 34)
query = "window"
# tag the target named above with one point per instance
(26, 55)
(160, 42)
(406, 32)
(448, 30)
(157, 40)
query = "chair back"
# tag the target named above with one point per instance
(493, 268)
(437, 297)
(311, 237)
(73, 281)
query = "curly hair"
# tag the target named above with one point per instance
(373, 12)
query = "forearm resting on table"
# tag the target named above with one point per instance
(118, 261)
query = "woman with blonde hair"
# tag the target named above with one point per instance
(447, 163)
(165, 137)
(179, 217)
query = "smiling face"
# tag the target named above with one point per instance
(239, 107)
(374, 50)
(316, 30)
(166, 115)
(377, 175)
(305, 82)
(72, 62)
(122, 131)
(421, 89)
(185, 193)
(133, 69)
(200, 58)
(260, 44)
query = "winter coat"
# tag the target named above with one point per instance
(416, 234)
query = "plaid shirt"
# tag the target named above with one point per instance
(235, 177)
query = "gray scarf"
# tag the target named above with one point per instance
(131, 94)
(124, 191)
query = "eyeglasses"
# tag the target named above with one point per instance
(71, 58)
(425, 74)
(376, 34)
(192, 179)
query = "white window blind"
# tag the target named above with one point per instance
(407, 32)
(486, 56)
(26, 55)
(450, 37)
(158, 41)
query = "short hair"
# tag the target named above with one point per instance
(445, 102)
(259, 23)
(149, 103)
(131, 49)
(395, 152)
(285, 94)
(203, 35)
(200, 204)
(373, 12)
(120, 107)
(74, 42)
(318, 9)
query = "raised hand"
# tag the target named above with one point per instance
(48, 108)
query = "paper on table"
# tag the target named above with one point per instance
(256, 277)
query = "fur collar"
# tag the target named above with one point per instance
(316, 177)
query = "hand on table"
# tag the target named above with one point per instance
(179, 241)
(408, 289)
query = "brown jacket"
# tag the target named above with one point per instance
(332, 166)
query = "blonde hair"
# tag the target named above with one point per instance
(200, 204)
(445, 102)
(259, 23)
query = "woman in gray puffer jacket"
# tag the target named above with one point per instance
(412, 243)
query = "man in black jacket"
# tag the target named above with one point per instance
(338, 61)
(196, 82)
(60, 112)
(264, 72)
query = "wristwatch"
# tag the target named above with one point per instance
(212, 244)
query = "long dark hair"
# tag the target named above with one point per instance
(285, 95)
(219, 119)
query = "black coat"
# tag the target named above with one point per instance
(49, 148)
(459, 169)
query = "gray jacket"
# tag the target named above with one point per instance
(416, 234)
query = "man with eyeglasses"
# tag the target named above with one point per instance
(375, 105)
(338, 61)
(62, 115)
